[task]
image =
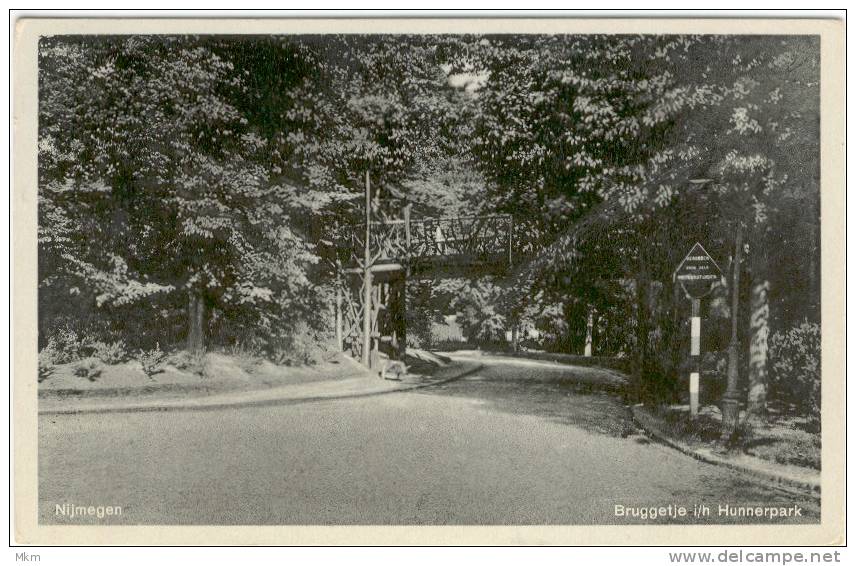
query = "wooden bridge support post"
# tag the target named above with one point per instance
(377, 293)
(401, 312)
(367, 318)
(407, 239)
(339, 344)
(367, 282)
(398, 315)
(402, 340)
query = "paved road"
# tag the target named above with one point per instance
(517, 443)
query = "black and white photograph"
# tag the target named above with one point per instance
(440, 278)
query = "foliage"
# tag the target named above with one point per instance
(193, 361)
(303, 345)
(151, 184)
(66, 345)
(248, 356)
(110, 352)
(152, 361)
(476, 305)
(212, 171)
(790, 446)
(795, 371)
(624, 150)
(47, 361)
(176, 165)
(89, 368)
(427, 303)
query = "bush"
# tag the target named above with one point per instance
(67, 345)
(714, 375)
(152, 361)
(89, 368)
(795, 369)
(110, 352)
(416, 341)
(70, 343)
(192, 362)
(246, 355)
(181, 360)
(304, 345)
(47, 361)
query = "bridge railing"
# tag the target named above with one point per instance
(473, 238)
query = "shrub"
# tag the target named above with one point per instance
(415, 341)
(714, 375)
(795, 369)
(247, 356)
(742, 435)
(89, 368)
(47, 360)
(193, 362)
(152, 361)
(179, 359)
(110, 352)
(302, 346)
(67, 345)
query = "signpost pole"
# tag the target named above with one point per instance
(697, 274)
(695, 352)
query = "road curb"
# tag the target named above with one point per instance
(112, 392)
(782, 482)
(154, 407)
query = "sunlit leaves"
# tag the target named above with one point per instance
(155, 178)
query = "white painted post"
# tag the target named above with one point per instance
(694, 394)
(589, 329)
(695, 352)
(695, 336)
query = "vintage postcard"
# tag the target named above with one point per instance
(435, 281)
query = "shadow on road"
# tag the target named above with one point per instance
(583, 397)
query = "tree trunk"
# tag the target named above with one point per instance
(515, 337)
(760, 330)
(339, 340)
(731, 397)
(196, 319)
(398, 316)
(814, 265)
(642, 316)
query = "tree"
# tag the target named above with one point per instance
(154, 177)
(763, 112)
(591, 132)
(564, 126)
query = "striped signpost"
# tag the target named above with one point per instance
(697, 274)
(695, 352)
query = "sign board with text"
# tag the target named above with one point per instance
(697, 273)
